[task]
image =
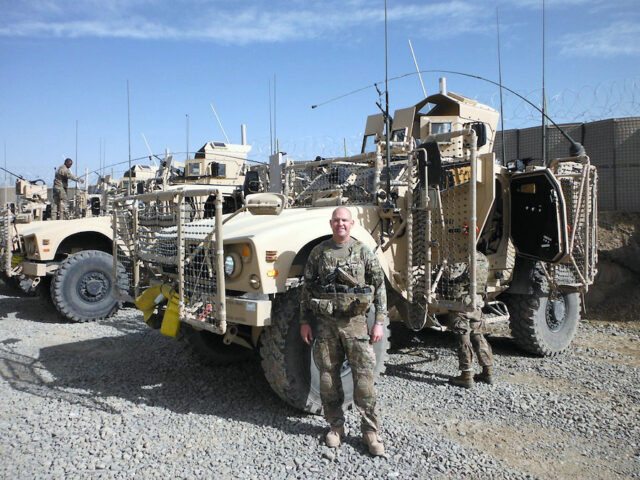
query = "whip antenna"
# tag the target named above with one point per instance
(417, 68)
(270, 121)
(544, 96)
(219, 122)
(504, 148)
(129, 136)
(386, 97)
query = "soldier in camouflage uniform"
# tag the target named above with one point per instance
(60, 185)
(470, 329)
(342, 279)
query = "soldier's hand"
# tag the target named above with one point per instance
(306, 333)
(377, 332)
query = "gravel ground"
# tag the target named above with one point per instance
(114, 399)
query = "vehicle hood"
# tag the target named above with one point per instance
(64, 228)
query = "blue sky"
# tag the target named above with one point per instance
(69, 62)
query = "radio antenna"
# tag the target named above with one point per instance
(386, 98)
(270, 122)
(130, 189)
(151, 155)
(417, 68)
(504, 148)
(76, 159)
(219, 122)
(544, 96)
(275, 117)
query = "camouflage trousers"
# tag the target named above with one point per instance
(470, 329)
(59, 204)
(337, 338)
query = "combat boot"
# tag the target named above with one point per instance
(333, 437)
(371, 438)
(486, 376)
(465, 379)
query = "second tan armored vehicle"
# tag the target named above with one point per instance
(429, 203)
(72, 258)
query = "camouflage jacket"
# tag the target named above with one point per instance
(63, 174)
(322, 287)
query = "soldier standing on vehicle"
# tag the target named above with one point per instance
(60, 185)
(342, 279)
(469, 329)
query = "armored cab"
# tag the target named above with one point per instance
(225, 166)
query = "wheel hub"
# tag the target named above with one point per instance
(556, 313)
(93, 286)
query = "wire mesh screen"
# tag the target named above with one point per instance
(5, 238)
(199, 271)
(439, 243)
(336, 182)
(418, 236)
(579, 187)
(170, 238)
(450, 207)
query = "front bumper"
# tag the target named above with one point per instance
(35, 269)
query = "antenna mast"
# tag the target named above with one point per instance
(219, 123)
(417, 68)
(386, 107)
(187, 115)
(148, 148)
(76, 159)
(544, 96)
(270, 122)
(504, 149)
(129, 136)
(275, 125)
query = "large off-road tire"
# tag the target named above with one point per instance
(541, 325)
(82, 288)
(288, 362)
(210, 349)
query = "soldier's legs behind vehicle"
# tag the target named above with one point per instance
(459, 325)
(482, 349)
(55, 204)
(59, 204)
(63, 214)
(329, 356)
(362, 360)
(465, 351)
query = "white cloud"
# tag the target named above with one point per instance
(537, 4)
(619, 38)
(257, 21)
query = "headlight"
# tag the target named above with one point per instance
(232, 265)
(31, 247)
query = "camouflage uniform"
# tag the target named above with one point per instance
(469, 326)
(470, 329)
(60, 185)
(342, 324)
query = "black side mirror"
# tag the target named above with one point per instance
(481, 132)
(429, 157)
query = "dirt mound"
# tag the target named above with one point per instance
(615, 295)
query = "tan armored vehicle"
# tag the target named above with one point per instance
(73, 257)
(224, 165)
(32, 201)
(430, 209)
